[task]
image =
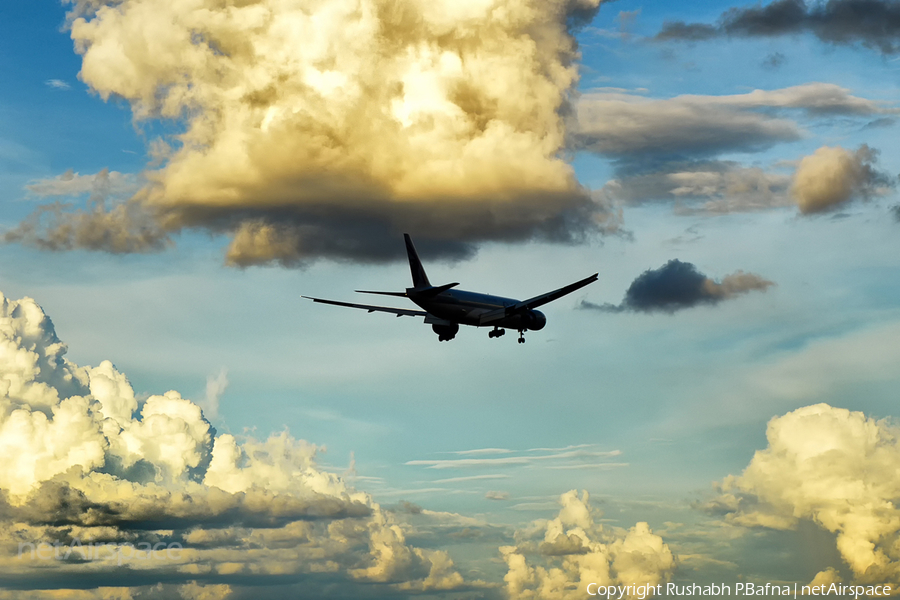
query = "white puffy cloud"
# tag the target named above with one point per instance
(557, 559)
(836, 468)
(90, 470)
(832, 176)
(325, 128)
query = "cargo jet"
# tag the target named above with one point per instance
(445, 309)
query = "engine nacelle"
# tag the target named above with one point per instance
(445, 332)
(535, 320)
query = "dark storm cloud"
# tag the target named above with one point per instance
(871, 23)
(678, 285)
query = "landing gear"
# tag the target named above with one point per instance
(496, 332)
(521, 336)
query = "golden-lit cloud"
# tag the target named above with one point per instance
(836, 468)
(832, 176)
(557, 559)
(321, 128)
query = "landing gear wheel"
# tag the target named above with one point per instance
(521, 336)
(496, 332)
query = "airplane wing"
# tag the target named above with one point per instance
(400, 312)
(533, 303)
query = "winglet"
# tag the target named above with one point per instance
(420, 279)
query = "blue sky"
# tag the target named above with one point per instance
(655, 413)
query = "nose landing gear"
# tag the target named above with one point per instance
(521, 336)
(496, 332)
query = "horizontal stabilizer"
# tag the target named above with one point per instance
(434, 291)
(401, 294)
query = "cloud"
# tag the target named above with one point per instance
(215, 387)
(582, 456)
(774, 60)
(678, 285)
(470, 478)
(327, 130)
(556, 559)
(101, 186)
(90, 468)
(871, 23)
(109, 223)
(629, 127)
(833, 467)
(833, 176)
(703, 186)
(665, 149)
(493, 495)
(58, 84)
(822, 181)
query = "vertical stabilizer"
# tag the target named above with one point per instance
(420, 279)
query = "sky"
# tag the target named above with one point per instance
(720, 406)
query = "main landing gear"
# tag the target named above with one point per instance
(497, 332)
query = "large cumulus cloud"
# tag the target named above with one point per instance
(834, 467)
(556, 559)
(91, 469)
(327, 128)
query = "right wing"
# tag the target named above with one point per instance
(400, 312)
(533, 303)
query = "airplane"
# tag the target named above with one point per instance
(445, 308)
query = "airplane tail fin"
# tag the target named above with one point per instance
(420, 279)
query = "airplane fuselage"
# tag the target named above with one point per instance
(468, 308)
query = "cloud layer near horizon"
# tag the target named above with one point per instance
(327, 129)
(85, 462)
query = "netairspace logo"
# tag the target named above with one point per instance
(120, 553)
(620, 592)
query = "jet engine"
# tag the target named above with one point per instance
(534, 320)
(446, 332)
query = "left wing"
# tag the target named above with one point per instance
(532, 303)
(400, 312)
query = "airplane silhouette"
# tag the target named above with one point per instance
(445, 309)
